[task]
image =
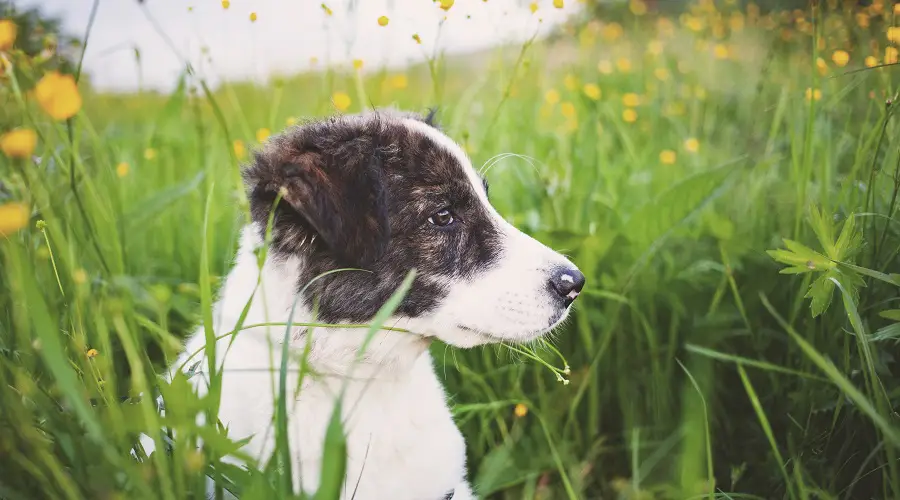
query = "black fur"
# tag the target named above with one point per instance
(358, 192)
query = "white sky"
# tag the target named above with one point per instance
(285, 36)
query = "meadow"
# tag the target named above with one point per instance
(725, 175)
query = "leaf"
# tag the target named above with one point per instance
(850, 240)
(824, 230)
(890, 332)
(893, 279)
(155, 205)
(334, 458)
(893, 314)
(800, 258)
(821, 291)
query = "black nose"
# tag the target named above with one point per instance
(567, 283)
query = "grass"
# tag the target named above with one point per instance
(697, 368)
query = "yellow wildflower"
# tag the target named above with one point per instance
(629, 115)
(290, 121)
(897, 9)
(570, 81)
(736, 22)
(58, 95)
(341, 101)
(721, 51)
(612, 31)
(862, 19)
(239, 149)
(149, 154)
(623, 64)
(357, 64)
(253, 17)
(822, 66)
(592, 91)
(700, 93)
(13, 217)
(631, 99)
(605, 67)
(327, 10)
(533, 7)
(262, 134)
(399, 82)
(383, 21)
(655, 47)
(92, 353)
(893, 34)
(637, 7)
(122, 169)
(840, 58)
(567, 109)
(558, 4)
(417, 38)
(79, 276)
(446, 4)
(18, 143)
(692, 145)
(813, 94)
(226, 4)
(551, 96)
(667, 157)
(872, 61)
(8, 30)
(661, 74)
(890, 55)
(520, 410)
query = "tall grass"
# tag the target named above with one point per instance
(697, 369)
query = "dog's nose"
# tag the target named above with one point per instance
(567, 283)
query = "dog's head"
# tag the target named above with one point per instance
(388, 192)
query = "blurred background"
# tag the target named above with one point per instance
(726, 174)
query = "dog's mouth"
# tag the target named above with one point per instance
(524, 336)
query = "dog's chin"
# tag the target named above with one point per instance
(466, 336)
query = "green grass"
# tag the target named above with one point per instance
(697, 369)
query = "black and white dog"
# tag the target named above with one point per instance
(386, 192)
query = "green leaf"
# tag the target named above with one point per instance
(824, 230)
(334, 458)
(800, 258)
(893, 314)
(890, 332)
(850, 240)
(893, 279)
(821, 291)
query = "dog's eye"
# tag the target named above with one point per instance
(442, 218)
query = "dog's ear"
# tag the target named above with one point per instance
(341, 197)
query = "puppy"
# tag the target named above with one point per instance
(382, 193)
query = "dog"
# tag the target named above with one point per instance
(372, 195)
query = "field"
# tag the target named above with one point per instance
(727, 178)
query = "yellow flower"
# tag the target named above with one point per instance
(631, 99)
(399, 82)
(383, 21)
(417, 38)
(357, 64)
(840, 58)
(667, 157)
(736, 22)
(239, 149)
(813, 94)
(327, 10)
(253, 17)
(605, 67)
(79, 276)
(623, 64)
(570, 81)
(692, 145)
(629, 115)
(721, 51)
(822, 66)
(700, 93)
(890, 55)
(567, 109)
(655, 47)
(533, 7)
(18, 143)
(551, 96)
(661, 74)
(612, 31)
(592, 91)
(872, 61)
(637, 7)
(341, 101)
(558, 4)
(58, 95)
(893, 34)
(8, 30)
(897, 9)
(446, 4)
(149, 154)
(262, 134)
(122, 169)
(520, 410)
(92, 353)
(13, 217)
(862, 19)
(290, 121)
(226, 4)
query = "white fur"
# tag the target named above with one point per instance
(402, 441)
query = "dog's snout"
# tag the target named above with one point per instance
(567, 283)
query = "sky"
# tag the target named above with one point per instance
(285, 36)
